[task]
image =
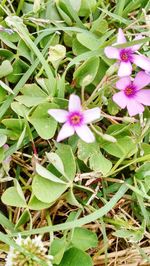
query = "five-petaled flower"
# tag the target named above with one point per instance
(131, 95)
(127, 56)
(75, 120)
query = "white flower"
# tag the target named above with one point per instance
(34, 246)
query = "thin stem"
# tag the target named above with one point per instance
(96, 91)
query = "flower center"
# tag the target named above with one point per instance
(130, 90)
(126, 55)
(75, 118)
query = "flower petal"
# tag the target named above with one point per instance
(141, 61)
(143, 96)
(137, 46)
(65, 132)
(122, 83)
(74, 103)
(120, 37)
(91, 115)
(111, 52)
(134, 107)
(58, 114)
(120, 99)
(85, 133)
(125, 69)
(141, 80)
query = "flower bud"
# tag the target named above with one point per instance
(56, 54)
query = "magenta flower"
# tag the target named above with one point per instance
(127, 56)
(75, 120)
(131, 95)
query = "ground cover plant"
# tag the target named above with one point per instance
(74, 132)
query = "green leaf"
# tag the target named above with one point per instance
(24, 78)
(6, 223)
(131, 235)
(23, 50)
(76, 4)
(120, 130)
(6, 54)
(8, 39)
(46, 190)
(15, 125)
(1, 154)
(24, 218)
(44, 124)
(32, 95)
(5, 68)
(64, 16)
(145, 148)
(86, 7)
(84, 239)
(3, 139)
(11, 197)
(89, 40)
(21, 138)
(85, 74)
(56, 161)
(121, 190)
(20, 109)
(76, 257)
(112, 107)
(124, 147)
(17, 24)
(120, 7)
(19, 189)
(36, 204)
(58, 247)
(77, 47)
(143, 171)
(3, 94)
(70, 197)
(47, 174)
(67, 157)
(100, 25)
(99, 163)
(19, 68)
(68, 9)
(5, 87)
(86, 150)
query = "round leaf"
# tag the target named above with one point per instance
(123, 147)
(84, 238)
(99, 163)
(47, 174)
(67, 157)
(76, 257)
(35, 204)
(56, 161)
(46, 190)
(86, 73)
(44, 124)
(11, 197)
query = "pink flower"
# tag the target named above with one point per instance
(127, 56)
(131, 95)
(75, 120)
